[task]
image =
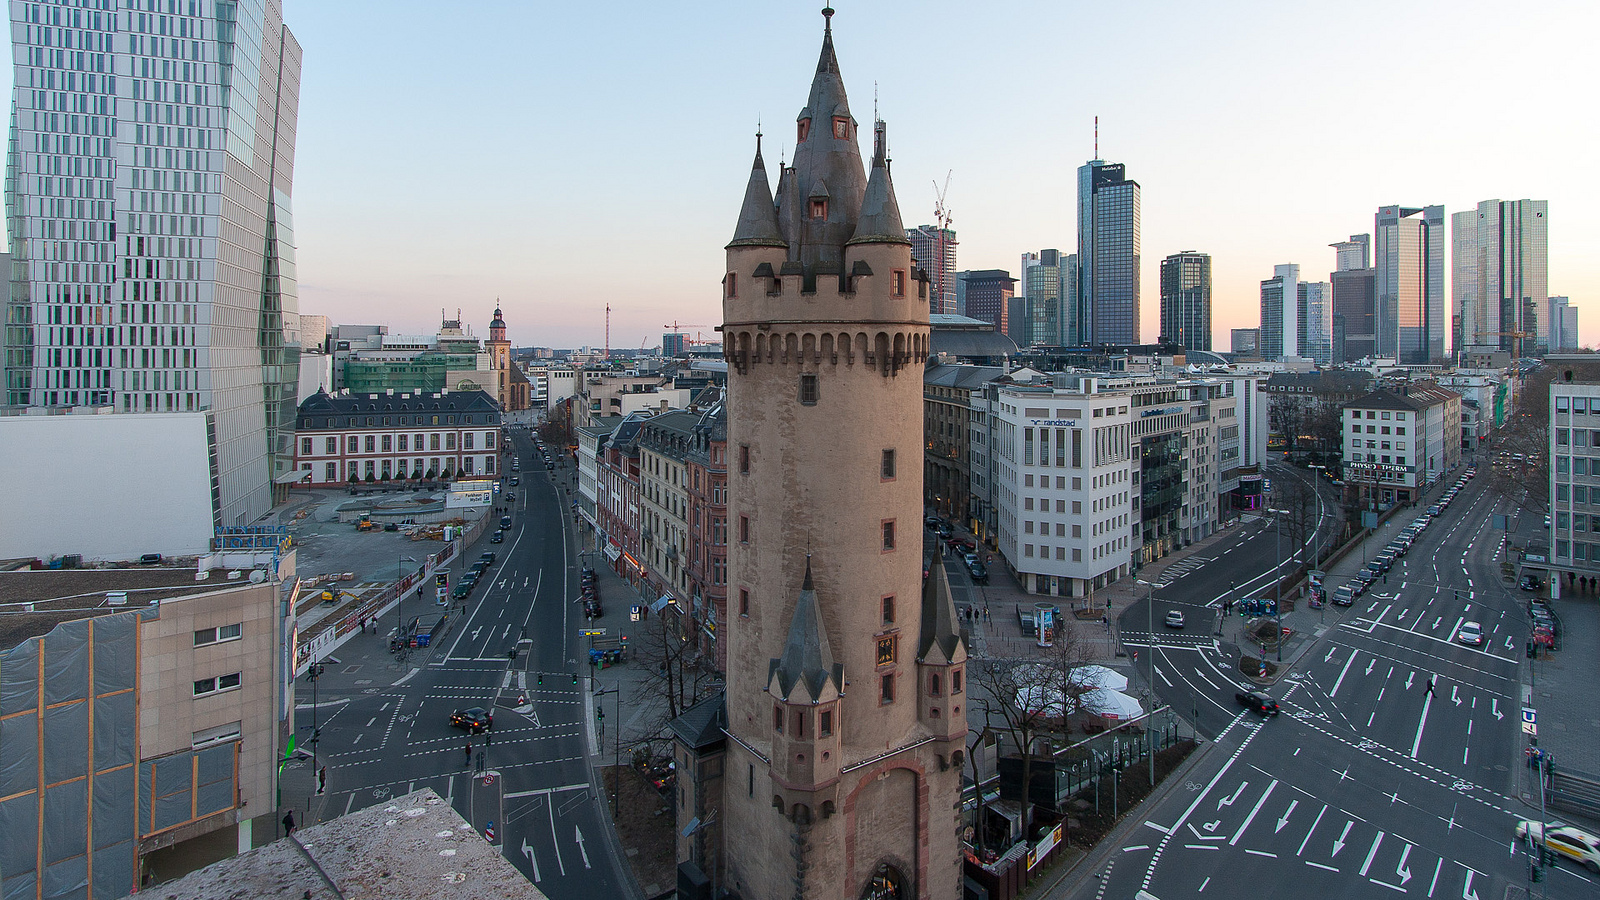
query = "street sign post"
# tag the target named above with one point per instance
(1530, 721)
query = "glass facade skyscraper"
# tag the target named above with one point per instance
(1410, 250)
(1186, 300)
(1501, 276)
(934, 248)
(1280, 313)
(1108, 255)
(1049, 284)
(148, 184)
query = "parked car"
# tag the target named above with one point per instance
(487, 557)
(1435, 510)
(1575, 844)
(1530, 583)
(1344, 595)
(932, 521)
(1174, 619)
(1257, 702)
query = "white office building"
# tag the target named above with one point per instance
(148, 193)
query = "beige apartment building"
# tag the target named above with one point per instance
(143, 717)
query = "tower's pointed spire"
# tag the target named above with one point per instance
(807, 657)
(758, 217)
(879, 222)
(939, 628)
(828, 62)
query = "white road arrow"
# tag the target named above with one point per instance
(1329, 656)
(1228, 801)
(1401, 870)
(1370, 665)
(1467, 893)
(1409, 676)
(1284, 819)
(475, 632)
(1455, 696)
(1494, 707)
(1212, 826)
(1437, 622)
(1339, 844)
(581, 849)
(528, 852)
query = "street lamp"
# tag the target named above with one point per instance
(1316, 541)
(616, 761)
(315, 674)
(1150, 650)
(1277, 573)
(399, 596)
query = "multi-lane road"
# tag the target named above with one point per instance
(1394, 766)
(393, 735)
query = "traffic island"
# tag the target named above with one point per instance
(645, 822)
(1257, 669)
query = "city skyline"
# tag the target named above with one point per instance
(550, 151)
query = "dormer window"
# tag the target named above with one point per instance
(841, 128)
(801, 128)
(819, 209)
(897, 283)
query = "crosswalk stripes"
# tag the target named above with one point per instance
(1179, 569)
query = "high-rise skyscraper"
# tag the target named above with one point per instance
(1353, 254)
(1186, 300)
(1108, 255)
(1314, 321)
(989, 293)
(1563, 325)
(846, 705)
(1501, 276)
(148, 207)
(934, 249)
(1280, 313)
(1047, 284)
(1410, 250)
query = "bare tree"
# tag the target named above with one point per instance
(1286, 416)
(1031, 699)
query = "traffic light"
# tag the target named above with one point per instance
(574, 677)
(541, 679)
(511, 654)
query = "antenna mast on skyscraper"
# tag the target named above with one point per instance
(1096, 137)
(608, 332)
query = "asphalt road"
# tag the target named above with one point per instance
(1393, 768)
(393, 735)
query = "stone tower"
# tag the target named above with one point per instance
(846, 703)
(500, 358)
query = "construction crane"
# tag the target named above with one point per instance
(941, 224)
(1516, 340)
(677, 326)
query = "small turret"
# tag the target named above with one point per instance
(758, 217)
(805, 684)
(941, 660)
(880, 212)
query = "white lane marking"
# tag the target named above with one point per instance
(1313, 828)
(1262, 853)
(1135, 847)
(1321, 866)
(528, 852)
(1427, 701)
(1253, 810)
(1341, 674)
(1371, 853)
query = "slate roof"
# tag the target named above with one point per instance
(758, 217)
(324, 403)
(700, 726)
(807, 657)
(939, 629)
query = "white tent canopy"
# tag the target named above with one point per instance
(1100, 693)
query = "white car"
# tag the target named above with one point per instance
(1470, 633)
(1575, 844)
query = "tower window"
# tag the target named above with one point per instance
(777, 719)
(888, 535)
(886, 469)
(955, 681)
(744, 459)
(897, 282)
(933, 684)
(819, 209)
(841, 128)
(886, 688)
(744, 529)
(744, 602)
(733, 285)
(808, 389)
(802, 128)
(888, 609)
(800, 724)
(825, 723)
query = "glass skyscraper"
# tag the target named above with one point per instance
(1280, 313)
(1501, 276)
(148, 185)
(1186, 300)
(1410, 250)
(928, 244)
(1108, 255)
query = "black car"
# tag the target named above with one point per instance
(1257, 702)
(1530, 583)
(978, 570)
(475, 719)
(515, 480)
(486, 557)
(499, 536)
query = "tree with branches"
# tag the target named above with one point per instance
(1032, 699)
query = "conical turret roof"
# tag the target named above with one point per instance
(941, 636)
(880, 211)
(807, 657)
(826, 153)
(758, 217)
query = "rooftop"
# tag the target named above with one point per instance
(33, 602)
(413, 848)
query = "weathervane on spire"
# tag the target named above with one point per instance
(827, 15)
